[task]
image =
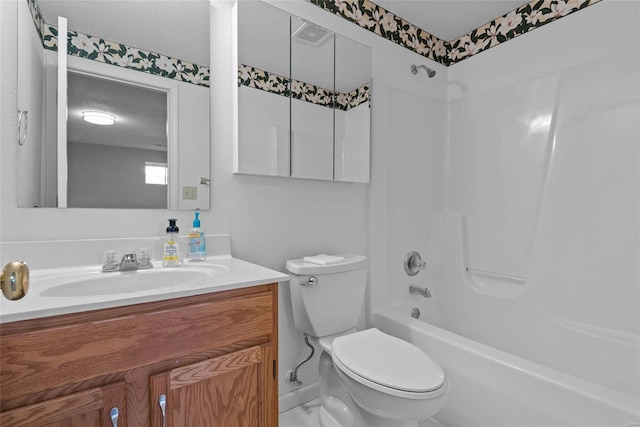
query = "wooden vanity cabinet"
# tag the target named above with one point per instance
(212, 357)
(99, 406)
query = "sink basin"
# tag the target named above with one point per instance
(129, 282)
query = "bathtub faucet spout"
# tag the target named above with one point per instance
(416, 290)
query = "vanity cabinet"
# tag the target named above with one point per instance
(98, 406)
(224, 389)
(212, 357)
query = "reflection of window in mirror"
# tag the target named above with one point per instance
(155, 173)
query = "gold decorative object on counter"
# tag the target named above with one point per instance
(15, 280)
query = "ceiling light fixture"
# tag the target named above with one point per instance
(98, 118)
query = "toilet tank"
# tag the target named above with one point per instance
(333, 304)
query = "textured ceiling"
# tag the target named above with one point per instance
(141, 113)
(449, 19)
(179, 29)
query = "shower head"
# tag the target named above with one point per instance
(430, 72)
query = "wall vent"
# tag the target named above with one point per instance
(311, 34)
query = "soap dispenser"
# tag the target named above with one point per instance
(171, 247)
(197, 243)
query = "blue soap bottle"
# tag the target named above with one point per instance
(197, 242)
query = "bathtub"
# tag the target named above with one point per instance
(489, 387)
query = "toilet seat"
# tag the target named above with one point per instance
(388, 364)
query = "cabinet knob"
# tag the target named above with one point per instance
(14, 280)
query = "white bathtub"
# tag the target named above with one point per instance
(489, 387)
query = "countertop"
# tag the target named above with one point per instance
(45, 298)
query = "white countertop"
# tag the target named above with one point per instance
(42, 300)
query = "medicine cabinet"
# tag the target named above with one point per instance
(303, 98)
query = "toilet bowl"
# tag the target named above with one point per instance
(367, 378)
(389, 377)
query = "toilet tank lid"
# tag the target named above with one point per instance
(351, 262)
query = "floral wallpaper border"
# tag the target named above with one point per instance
(379, 21)
(36, 15)
(520, 21)
(118, 54)
(274, 83)
(121, 55)
(526, 18)
(347, 101)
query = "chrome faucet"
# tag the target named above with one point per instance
(130, 261)
(416, 290)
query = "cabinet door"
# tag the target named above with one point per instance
(103, 406)
(224, 391)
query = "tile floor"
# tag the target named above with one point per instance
(306, 415)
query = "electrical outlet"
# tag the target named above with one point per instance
(189, 193)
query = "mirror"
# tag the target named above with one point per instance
(146, 64)
(303, 98)
(312, 77)
(352, 112)
(263, 92)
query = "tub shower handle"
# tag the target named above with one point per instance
(313, 280)
(413, 263)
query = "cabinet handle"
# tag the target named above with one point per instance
(163, 407)
(114, 417)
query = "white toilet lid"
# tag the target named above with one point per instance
(388, 361)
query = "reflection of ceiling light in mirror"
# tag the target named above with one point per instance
(98, 118)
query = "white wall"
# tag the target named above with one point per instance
(108, 176)
(543, 183)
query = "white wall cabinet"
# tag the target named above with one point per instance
(303, 98)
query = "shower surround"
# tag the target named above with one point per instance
(527, 208)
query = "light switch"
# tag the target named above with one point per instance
(189, 193)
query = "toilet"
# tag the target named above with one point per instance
(367, 378)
